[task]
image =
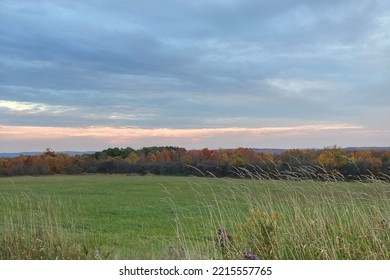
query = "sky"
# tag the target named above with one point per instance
(90, 74)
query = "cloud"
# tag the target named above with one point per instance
(20, 138)
(17, 63)
(297, 86)
(126, 133)
(33, 108)
(193, 64)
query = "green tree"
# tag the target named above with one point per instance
(237, 159)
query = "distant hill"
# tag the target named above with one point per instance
(259, 150)
(347, 149)
(271, 151)
(71, 153)
(366, 148)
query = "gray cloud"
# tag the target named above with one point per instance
(195, 63)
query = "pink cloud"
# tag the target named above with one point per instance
(33, 138)
(35, 132)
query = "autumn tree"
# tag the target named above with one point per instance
(237, 159)
(332, 158)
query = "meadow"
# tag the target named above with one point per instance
(166, 217)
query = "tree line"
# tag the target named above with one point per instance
(330, 162)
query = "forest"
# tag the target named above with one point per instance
(326, 163)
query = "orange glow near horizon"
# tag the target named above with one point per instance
(35, 138)
(35, 132)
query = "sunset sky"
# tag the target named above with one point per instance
(91, 74)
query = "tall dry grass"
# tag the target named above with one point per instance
(315, 216)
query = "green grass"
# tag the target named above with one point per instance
(156, 217)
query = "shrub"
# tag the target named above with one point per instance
(259, 234)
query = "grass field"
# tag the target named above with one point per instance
(156, 217)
